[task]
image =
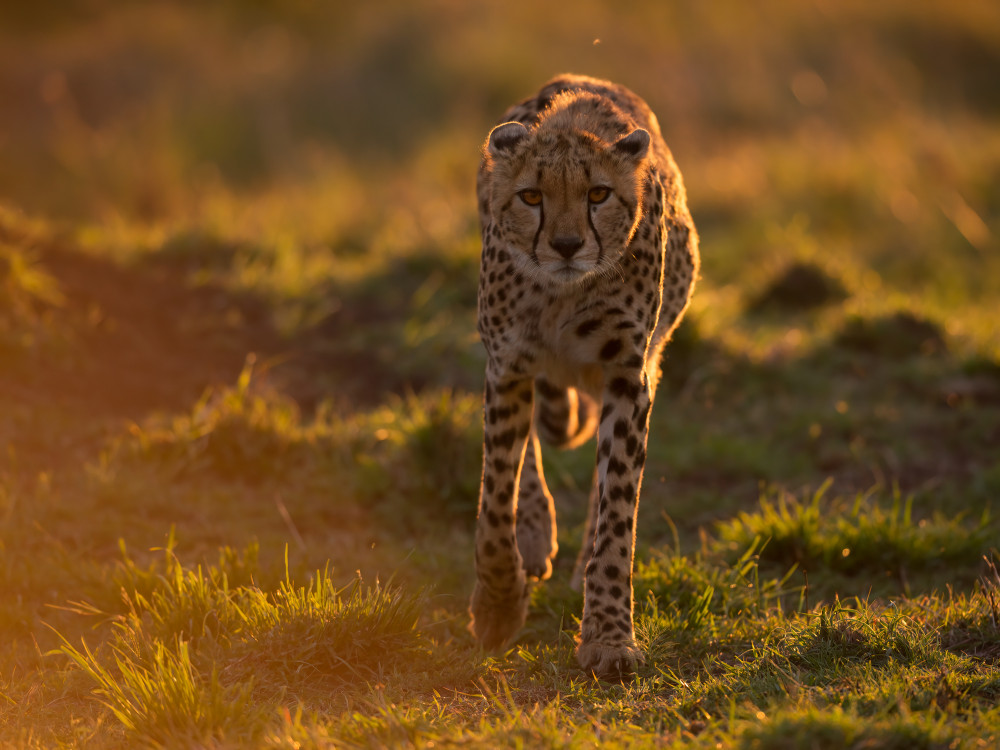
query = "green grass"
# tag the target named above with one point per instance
(240, 383)
(863, 538)
(195, 659)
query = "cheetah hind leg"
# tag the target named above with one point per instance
(536, 516)
(565, 418)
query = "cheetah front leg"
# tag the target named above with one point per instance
(607, 638)
(499, 603)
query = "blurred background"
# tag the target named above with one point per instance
(352, 129)
(182, 183)
(877, 122)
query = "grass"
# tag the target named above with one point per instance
(864, 539)
(240, 381)
(193, 659)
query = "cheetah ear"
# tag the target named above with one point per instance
(503, 138)
(633, 146)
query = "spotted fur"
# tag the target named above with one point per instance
(589, 260)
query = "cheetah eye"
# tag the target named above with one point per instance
(531, 197)
(598, 194)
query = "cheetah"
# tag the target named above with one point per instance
(589, 260)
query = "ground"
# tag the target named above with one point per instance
(240, 381)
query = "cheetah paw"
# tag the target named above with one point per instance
(538, 550)
(496, 618)
(611, 662)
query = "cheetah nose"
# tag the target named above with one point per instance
(566, 246)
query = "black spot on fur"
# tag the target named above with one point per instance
(611, 349)
(505, 439)
(622, 388)
(640, 458)
(616, 467)
(630, 445)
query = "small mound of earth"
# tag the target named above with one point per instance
(899, 335)
(979, 382)
(801, 286)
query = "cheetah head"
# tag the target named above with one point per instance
(565, 201)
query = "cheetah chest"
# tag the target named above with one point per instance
(572, 338)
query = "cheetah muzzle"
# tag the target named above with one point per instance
(589, 260)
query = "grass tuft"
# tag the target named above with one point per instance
(411, 446)
(426, 446)
(29, 299)
(857, 537)
(861, 634)
(194, 659)
(244, 431)
(165, 701)
(320, 636)
(703, 594)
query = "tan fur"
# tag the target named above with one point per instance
(589, 260)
